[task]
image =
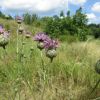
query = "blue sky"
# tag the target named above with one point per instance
(52, 7)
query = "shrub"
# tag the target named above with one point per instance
(68, 38)
(82, 36)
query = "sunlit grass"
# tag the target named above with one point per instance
(71, 76)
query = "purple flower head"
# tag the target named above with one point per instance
(51, 44)
(1, 30)
(41, 37)
(18, 18)
(1, 26)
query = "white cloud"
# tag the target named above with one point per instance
(91, 16)
(38, 5)
(96, 7)
(33, 5)
(77, 2)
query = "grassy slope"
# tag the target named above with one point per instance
(71, 76)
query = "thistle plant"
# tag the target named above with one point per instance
(4, 38)
(21, 29)
(19, 21)
(40, 38)
(50, 47)
(23, 43)
(22, 53)
(97, 69)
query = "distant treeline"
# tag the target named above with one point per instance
(4, 16)
(63, 24)
(95, 30)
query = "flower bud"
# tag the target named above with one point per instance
(51, 54)
(19, 21)
(31, 48)
(27, 35)
(21, 29)
(40, 45)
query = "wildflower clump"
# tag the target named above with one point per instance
(45, 42)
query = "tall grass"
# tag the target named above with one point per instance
(71, 76)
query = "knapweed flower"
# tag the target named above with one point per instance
(40, 38)
(18, 19)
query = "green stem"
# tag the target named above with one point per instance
(44, 76)
(30, 89)
(42, 62)
(22, 49)
(5, 52)
(51, 60)
(14, 96)
(42, 96)
(17, 49)
(19, 95)
(31, 52)
(17, 40)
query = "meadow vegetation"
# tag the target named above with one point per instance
(29, 75)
